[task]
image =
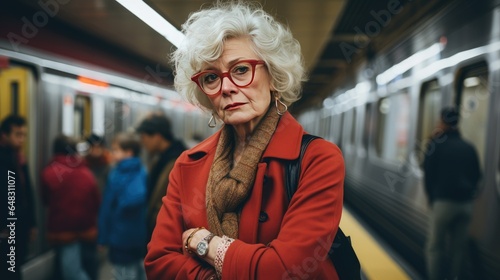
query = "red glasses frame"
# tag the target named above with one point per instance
(221, 75)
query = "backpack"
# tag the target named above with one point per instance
(341, 252)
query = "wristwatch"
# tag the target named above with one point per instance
(202, 247)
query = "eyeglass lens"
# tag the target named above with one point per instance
(241, 74)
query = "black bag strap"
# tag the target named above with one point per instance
(292, 167)
(345, 260)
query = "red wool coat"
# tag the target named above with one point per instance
(290, 240)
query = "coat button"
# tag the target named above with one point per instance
(263, 216)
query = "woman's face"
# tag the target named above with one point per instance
(241, 106)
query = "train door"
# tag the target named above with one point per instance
(368, 124)
(340, 129)
(82, 117)
(322, 123)
(352, 139)
(16, 82)
(329, 128)
(118, 116)
(473, 100)
(428, 116)
(77, 117)
(346, 145)
(392, 126)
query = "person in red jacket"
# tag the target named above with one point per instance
(71, 194)
(226, 214)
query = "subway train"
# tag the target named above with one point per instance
(383, 117)
(63, 96)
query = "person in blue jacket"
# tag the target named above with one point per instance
(122, 217)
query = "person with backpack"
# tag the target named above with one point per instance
(226, 213)
(452, 172)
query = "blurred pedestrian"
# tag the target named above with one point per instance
(122, 218)
(452, 172)
(158, 140)
(98, 159)
(17, 195)
(70, 192)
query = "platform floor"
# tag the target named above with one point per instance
(377, 260)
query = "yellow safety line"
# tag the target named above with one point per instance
(375, 262)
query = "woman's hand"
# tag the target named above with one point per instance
(191, 238)
(197, 234)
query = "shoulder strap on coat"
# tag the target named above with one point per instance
(292, 167)
(344, 259)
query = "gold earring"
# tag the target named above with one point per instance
(212, 122)
(276, 101)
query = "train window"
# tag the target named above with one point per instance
(322, 124)
(15, 97)
(428, 118)
(473, 101)
(99, 122)
(82, 117)
(325, 133)
(353, 126)
(367, 125)
(329, 132)
(392, 127)
(335, 128)
(498, 177)
(346, 132)
(118, 116)
(383, 110)
(340, 125)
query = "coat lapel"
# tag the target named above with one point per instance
(285, 145)
(194, 177)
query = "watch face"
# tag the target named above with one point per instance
(202, 247)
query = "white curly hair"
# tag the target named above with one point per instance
(208, 29)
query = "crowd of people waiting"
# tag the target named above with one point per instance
(99, 201)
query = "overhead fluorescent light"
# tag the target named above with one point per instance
(154, 20)
(405, 65)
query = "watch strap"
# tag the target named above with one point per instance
(208, 238)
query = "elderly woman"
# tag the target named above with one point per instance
(226, 213)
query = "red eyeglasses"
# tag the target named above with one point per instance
(241, 74)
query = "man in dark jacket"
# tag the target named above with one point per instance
(452, 172)
(17, 213)
(157, 138)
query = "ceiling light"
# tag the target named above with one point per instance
(154, 20)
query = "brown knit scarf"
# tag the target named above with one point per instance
(228, 186)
